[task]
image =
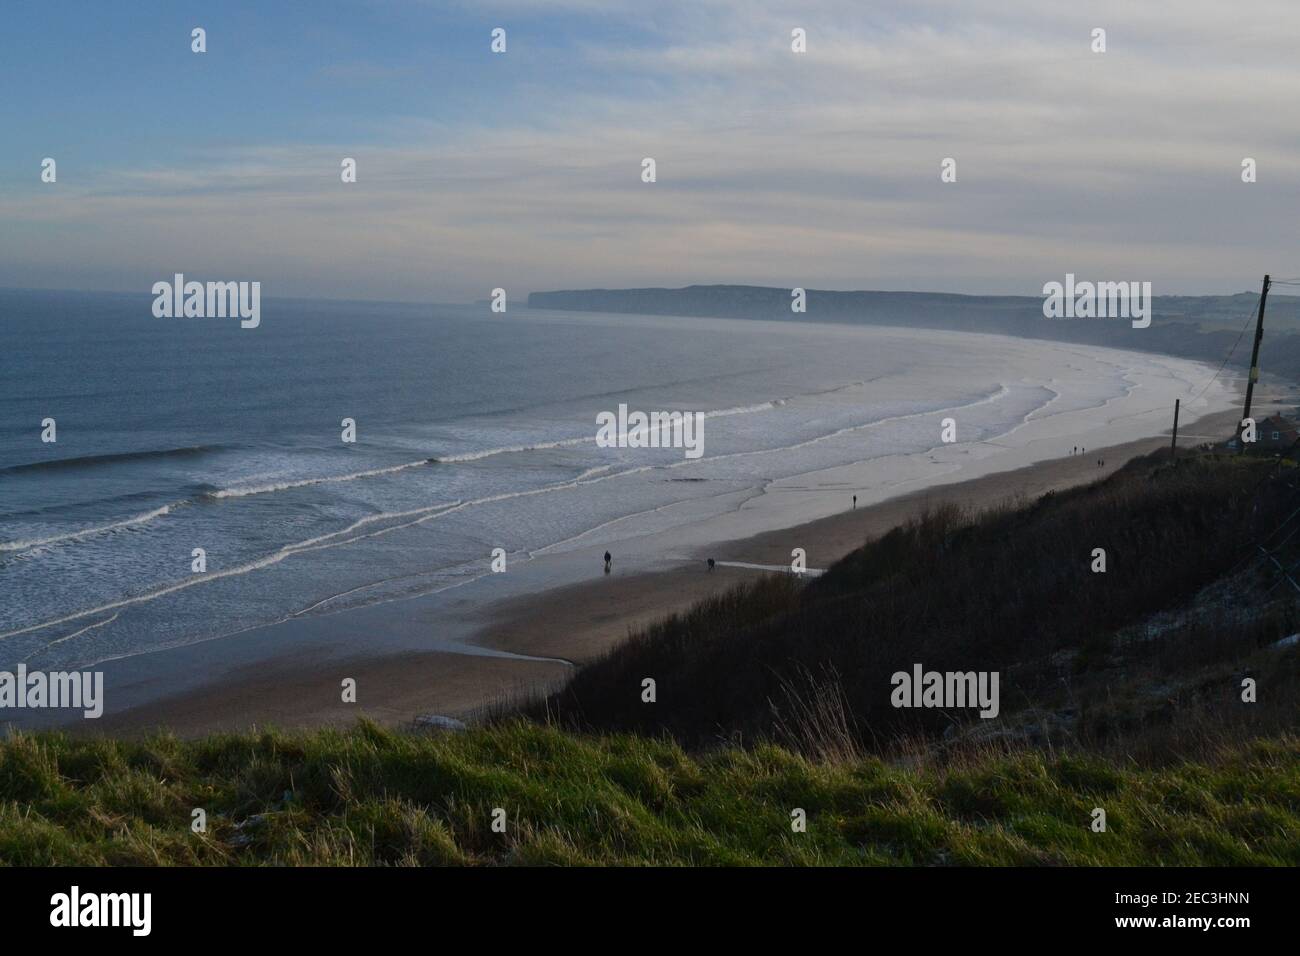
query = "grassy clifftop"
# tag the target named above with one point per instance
(375, 796)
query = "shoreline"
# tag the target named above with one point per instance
(530, 643)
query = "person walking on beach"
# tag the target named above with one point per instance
(608, 559)
(710, 564)
(855, 502)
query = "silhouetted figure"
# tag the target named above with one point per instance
(710, 564)
(608, 559)
(855, 502)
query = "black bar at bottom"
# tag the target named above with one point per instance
(304, 907)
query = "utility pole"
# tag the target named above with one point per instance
(1173, 448)
(1254, 362)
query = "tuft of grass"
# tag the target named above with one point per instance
(378, 797)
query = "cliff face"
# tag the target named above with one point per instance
(1199, 327)
(1124, 662)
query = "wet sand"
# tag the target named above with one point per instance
(574, 623)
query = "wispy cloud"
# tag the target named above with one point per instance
(816, 169)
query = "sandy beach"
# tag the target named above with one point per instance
(571, 624)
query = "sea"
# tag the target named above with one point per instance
(199, 484)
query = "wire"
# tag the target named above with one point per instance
(1244, 327)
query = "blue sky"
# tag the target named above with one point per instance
(109, 88)
(523, 170)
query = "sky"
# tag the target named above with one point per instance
(522, 170)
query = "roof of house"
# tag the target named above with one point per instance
(1280, 423)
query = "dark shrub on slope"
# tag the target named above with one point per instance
(1008, 591)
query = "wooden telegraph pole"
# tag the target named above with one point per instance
(1254, 363)
(1173, 448)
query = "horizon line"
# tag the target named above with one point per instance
(694, 285)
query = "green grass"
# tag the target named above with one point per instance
(375, 796)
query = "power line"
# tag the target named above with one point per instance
(1250, 315)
